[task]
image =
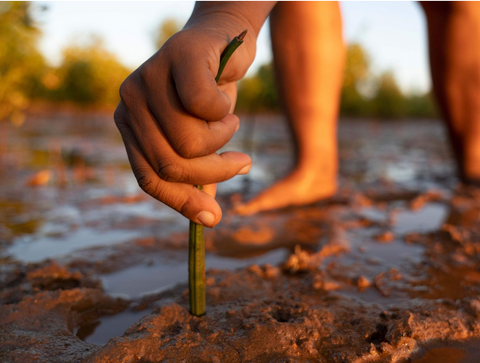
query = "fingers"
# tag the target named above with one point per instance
(190, 136)
(198, 206)
(231, 90)
(173, 118)
(171, 167)
(209, 169)
(194, 74)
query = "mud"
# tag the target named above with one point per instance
(385, 271)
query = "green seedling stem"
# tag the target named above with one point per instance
(196, 242)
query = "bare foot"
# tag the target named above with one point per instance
(297, 188)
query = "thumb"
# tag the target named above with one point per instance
(197, 89)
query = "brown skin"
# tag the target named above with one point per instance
(165, 102)
(454, 45)
(309, 58)
(313, 91)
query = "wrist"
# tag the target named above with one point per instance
(233, 16)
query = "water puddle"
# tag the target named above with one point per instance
(374, 214)
(145, 279)
(102, 330)
(38, 249)
(427, 219)
(467, 351)
(164, 274)
(449, 282)
(393, 254)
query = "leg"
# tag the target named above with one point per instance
(454, 45)
(309, 57)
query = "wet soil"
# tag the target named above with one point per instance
(92, 270)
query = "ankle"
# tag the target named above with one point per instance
(316, 170)
(470, 165)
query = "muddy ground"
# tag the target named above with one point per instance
(93, 270)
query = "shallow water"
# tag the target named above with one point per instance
(156, 277)
(467, 351)
(102, 330)
(41, 248)
(429, 218)
(160, 275)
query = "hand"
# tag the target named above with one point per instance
(173, 118)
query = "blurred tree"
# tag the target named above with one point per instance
(357, 72)
(357, 66)
(165, 30)
(389, 101)
(363, 94)
(421, 105)
(21, 64)
(258, 93)
(88, 75)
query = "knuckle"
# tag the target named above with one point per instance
(148, 185)
(145, 183)
(195, 103)
(170, 172)
(128, 90)
(125, 89)
(177, 202)
(191, 147)
(183, 205)
(118, 116)
(146, 73)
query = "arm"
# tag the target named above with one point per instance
(173, 117)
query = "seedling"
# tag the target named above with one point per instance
(196, 243)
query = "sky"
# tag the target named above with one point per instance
(393, 33)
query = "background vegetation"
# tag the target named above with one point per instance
(89, 76)
(364, 93)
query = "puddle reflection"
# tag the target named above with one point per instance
(430, 218)
(142, 279)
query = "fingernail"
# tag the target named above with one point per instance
(206, 218)
(244, 170)
(238, 126)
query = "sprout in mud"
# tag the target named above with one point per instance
(196, 243)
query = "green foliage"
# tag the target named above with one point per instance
(356, 73)
(389, 102)
(357, 66)
(258, 93)
(422, 106)
(88, 75)
(21, 65)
